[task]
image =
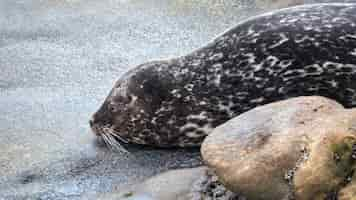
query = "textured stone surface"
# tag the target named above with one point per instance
(173, 185)
(298, 148)
(349, 192)
(184, 184)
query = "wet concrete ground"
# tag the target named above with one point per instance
(58, 61)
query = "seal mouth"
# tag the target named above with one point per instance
(110, 136)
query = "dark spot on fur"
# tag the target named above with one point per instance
(199, 132)
(189, 129)
(199, 122)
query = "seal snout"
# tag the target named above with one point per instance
(91, 122)
(95, 126)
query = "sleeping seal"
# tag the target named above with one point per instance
(300, 51)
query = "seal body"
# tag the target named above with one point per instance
(299, 51)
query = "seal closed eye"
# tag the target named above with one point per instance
(299, 51)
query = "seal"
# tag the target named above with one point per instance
(299, 51)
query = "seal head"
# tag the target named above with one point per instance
(126, 114)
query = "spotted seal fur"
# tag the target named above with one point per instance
(300, 51)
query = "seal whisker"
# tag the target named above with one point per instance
(116, 145)
(104, 137)
(117, 135)
(112, 142)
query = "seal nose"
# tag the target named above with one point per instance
(91, 122)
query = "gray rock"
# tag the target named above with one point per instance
(299, 148)
(184, 184)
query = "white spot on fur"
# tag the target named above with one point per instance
(189, 87)
(192, 134)
(272, 59)
(328, 63)
(258, 100)
(203, 103)
(133, 100)
(216, 57)
(227, 108)
(353, 52)
(250, 57)
(188, 125)
(196, 63)
(306, 37)
(257, 67)
(202, 115)
(176, 93)
(217, 80)
(284, 39)
(285, 63)
(333, 83)
(206, 129)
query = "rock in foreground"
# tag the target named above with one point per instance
(184, 184)
(349, 192)
(302, 148)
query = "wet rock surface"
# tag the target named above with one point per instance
(176, 184)
(59, 59)
(302, 148)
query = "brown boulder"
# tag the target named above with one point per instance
(299, 148)
(349, 192)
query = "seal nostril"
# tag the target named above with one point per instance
(91, 123)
